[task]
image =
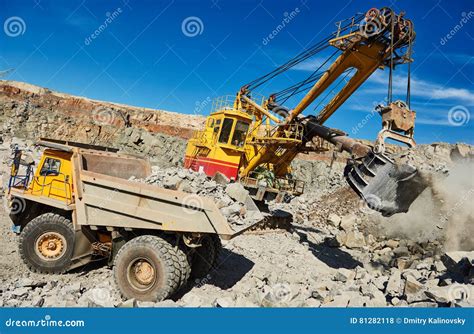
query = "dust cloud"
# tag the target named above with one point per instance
(444, 211)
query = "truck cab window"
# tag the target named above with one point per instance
(240, 133)
(226, 129)
(50, 167)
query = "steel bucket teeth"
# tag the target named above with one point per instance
(385, 186)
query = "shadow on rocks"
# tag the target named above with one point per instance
(231, 268)
(93, 265)
(333, 257)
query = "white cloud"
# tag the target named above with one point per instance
(419, 87)
(311, 64)
(434, 121)
(422, 88)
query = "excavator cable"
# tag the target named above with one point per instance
(390, 78)
(347, 72)
(304, 55)
(291, 63)
(297, 88)
(409, 52)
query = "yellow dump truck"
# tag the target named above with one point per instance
(78, 205)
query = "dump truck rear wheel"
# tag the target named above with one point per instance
(184, 257)
(205, 256)
(147, 268)
(47, 244)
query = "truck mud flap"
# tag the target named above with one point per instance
(385, 186)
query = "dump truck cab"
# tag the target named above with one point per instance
(50, 183)
(53, 177)
(79, 206)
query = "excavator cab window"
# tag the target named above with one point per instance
(226, 130)
(240, 133)
(217, 126)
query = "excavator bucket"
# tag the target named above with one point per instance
(384, 185)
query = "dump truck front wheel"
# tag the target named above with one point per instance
(147, 268)
(47, 244)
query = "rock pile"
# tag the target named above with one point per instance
(231, 198)
(335, 255)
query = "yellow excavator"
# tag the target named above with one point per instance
(254, 140)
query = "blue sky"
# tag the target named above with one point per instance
(143, 56)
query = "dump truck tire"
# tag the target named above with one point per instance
(47, 244)
(184, 257)
(147, 268)
(205, 257)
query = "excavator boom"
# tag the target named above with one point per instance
(255, 141)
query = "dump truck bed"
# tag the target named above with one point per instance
(106, 197)
(111, 201)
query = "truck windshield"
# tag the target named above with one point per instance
(50, 167)
(240, 133)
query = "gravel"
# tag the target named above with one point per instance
(336, 254)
